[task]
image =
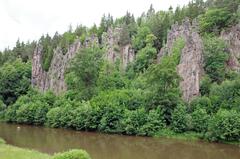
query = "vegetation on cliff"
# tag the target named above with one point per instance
(144, 99)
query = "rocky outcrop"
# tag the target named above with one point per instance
(232, 38)
(54, 78)
(190, 68)
(114, 51)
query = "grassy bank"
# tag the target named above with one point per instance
(12, 152)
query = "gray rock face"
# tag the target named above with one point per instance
(114, 51)
(54, 78)
(232, 38)
(190, 68)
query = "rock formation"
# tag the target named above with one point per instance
(232, 38)
(190, 68)
(114, 51)
(54, 78)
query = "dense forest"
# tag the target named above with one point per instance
(143, 99)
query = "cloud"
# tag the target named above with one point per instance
(29, 19)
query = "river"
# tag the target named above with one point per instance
(103, 146)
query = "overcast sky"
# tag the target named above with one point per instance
(29, 19)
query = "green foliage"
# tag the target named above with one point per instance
(2, 106)
(126, 98)
(111, 119)
(66, 40)
(14, 80)
(145, 57)
(134, 121)
(30, 109)
(224, 126)
(2, 141)
(86, 117)
(215, 58)
(72, 154)
(214, 20)
(163, 82)
(205, 85)
(180, 119)
(2, 109)
(139, 40)
(202, 103)
(110, 77)
(84, 72)
(200, 120)
(155, 123)
(226, 95)
(53, 117)
(144, 99)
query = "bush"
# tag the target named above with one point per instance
(155, 123)
(32, 113)
(226, 95)
(72, 154)
(2, 109)
(214, 20)
(110, 122)
(133, 121)
(53, 117)
(14, 80)
(224, 126)
(202, 103)
(86, 117)
(205, 85)
(2, 141)
(130, 99)
(200, 120)
(215, 58)
(180, 119)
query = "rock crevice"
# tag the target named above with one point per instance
(53, 79)
(190, 68)
(232, 38)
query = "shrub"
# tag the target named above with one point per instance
(130, 99)
(224, 126)
(2, 141)
(214, 20)
(72, 154)
(11, 112)
(205, 85)
(110, 122)
(226, 95)
(155, 122)
(86, 117)
(133, 121)
(180, 119)
(14, 80)
(2, 109)
(215, 58)
(53, 117)
(200, 120)
(202, 103)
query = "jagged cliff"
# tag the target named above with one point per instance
(232, 38)
(190, 68)
(114, 50)
(53, 79)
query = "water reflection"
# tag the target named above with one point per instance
(102, 146)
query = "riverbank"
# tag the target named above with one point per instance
(12, 152)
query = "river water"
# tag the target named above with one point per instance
(102, 146)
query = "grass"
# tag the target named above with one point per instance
(189, 136)
(12, 152)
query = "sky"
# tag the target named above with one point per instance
(29, 19)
